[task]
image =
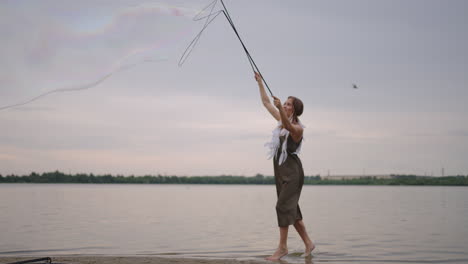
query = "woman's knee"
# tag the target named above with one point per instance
(280, 208)
(299, 223)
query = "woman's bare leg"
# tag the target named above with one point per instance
(309, 246)
(283, 245)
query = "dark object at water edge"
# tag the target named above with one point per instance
(45, 260)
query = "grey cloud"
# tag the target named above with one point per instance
(458, 133)
(407, 57)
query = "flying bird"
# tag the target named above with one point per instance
(355, 86)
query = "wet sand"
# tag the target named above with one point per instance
(129, 260)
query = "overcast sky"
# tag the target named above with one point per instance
(408, 58)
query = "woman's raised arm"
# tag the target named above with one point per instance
(265, 100)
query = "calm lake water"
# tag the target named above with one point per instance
(349, 224)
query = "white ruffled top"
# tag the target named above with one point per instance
(274, 144)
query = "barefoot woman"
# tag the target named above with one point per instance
(289, 175)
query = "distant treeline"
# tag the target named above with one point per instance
(59, 177)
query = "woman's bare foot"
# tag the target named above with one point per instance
(309, 247)
(279, 253)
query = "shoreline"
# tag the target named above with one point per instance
(95, 259)
(259, 179)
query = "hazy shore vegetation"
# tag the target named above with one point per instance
(59, 177)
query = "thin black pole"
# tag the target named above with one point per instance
(251, 61)
(46, 260)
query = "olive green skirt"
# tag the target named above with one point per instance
(289, 179)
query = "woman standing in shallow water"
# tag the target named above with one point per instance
(289, 175)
